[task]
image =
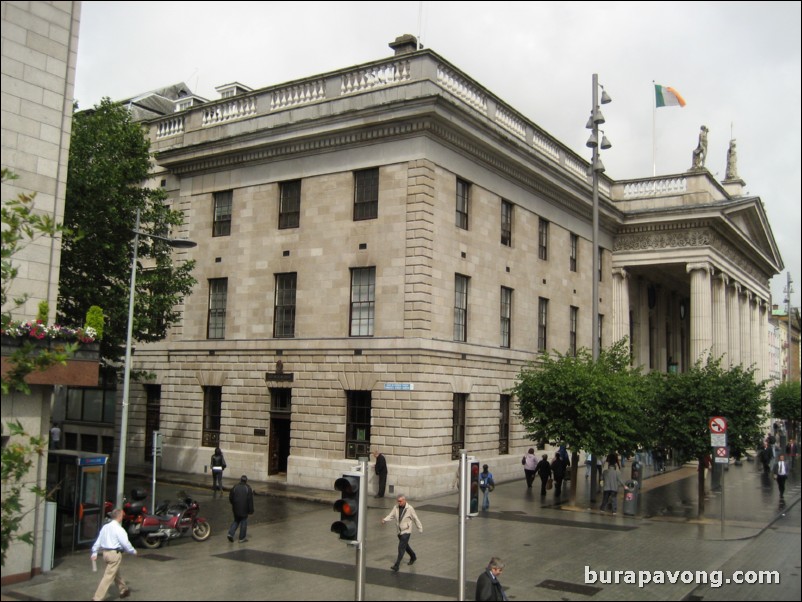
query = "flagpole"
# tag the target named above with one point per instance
(654, 131)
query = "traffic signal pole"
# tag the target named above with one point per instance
(463, 518)
(362, 521)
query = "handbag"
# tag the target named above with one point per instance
(550, 483)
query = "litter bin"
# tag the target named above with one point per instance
(631, 489)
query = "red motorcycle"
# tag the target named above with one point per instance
(133, 512)
(172, 520)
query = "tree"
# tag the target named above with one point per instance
(109, 165)
(17, 459)
(596, 406)
(687, 401)
(786, 404)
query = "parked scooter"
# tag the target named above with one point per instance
(134, 512)
(172, 520)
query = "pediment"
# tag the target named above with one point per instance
(748, 219)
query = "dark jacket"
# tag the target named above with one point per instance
(241, 498)
(543, 469)
(381, 465)
(218, 460)
(488, 588)
(558, 467)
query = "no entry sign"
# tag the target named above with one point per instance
(718, 425)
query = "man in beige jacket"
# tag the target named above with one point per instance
(404, 515)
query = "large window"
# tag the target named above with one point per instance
(152, 417)
(284, 309)
(212, 413)
(363, 301)
(222, 213)
(543, 239)
(542, 323)
(289, 210)
(574, 252)
(91, 405)
(366, 194)
(506, 223)
(218, 299)
(506, 315)
(463, 203)
(504, 425)
(357, 426)
(572, 319)
(458, 424)
(461, 308)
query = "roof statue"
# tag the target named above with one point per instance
(732, 162)
(700, 152)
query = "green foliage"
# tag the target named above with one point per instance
(109, 164)
(686, 402)
(596, 406)
(786, 401)
(17, 459)
(96, 320)
(43, 311)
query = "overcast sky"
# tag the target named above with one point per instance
(737, 64)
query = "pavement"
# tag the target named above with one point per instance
(552, 549)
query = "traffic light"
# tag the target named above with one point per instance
(348, 507)
(473, 489)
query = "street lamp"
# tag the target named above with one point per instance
(173, 242)
(596, 167)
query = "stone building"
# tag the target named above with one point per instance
(382, 248)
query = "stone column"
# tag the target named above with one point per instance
(701, 311)
(763, 324)
(720, 328)
(643, 324)
(757, 356)
(620, 304)
(746, 327)
(734, 324)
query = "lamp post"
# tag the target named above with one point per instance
(788, 290)
(596, 167)
(173, 242)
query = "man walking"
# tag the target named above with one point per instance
(488, 586)
(404, 515)
(381, 471)
(781, 474)
(241, 498)
(112, 541)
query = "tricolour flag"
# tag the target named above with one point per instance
(665, 96)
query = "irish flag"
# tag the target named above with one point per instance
(667, 97)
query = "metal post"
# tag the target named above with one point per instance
(595, 268)
(127, 375)
(464, 497)
(362, 522)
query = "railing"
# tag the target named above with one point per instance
(461, 88)
(171, 126)
(228, 111)
(647, 188)
(293, 96)
(374, 77)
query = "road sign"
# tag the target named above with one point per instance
(718, 425)
(717, 440)
(722, 455)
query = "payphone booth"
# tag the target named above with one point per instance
(80, 482)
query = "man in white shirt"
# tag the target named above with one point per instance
(781, 474)
(112, 541)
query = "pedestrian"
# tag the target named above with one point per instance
(765, 458)
(529, 462)
(612, 483)
(488, 586)
(404, 515)
(381, 471)
(218, 464)
(544, 472)
(486, 484)
(241, 498)
(558, 470)
(791, 452)
(55, 436)
(112, 541)
(781, 474)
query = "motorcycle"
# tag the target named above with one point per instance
(172, 520)
(133, 512)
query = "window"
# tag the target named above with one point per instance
(572, 331)
(216, 323)
(506, 315)
(601, 254)
(284, 309)
(601, 329)
(357, 426)
(366, 194)
(461, 308)
(463, 203)
(281, 400)
(574, 250)
(289, 209)
(460, 401)
(363, 301)
(212, 412)
(222, 213)
(504, 425)
(543, 239)
(542, 323)
(152, 417)
(506, 223)
(91, 405)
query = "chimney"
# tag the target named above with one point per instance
(404, 44)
